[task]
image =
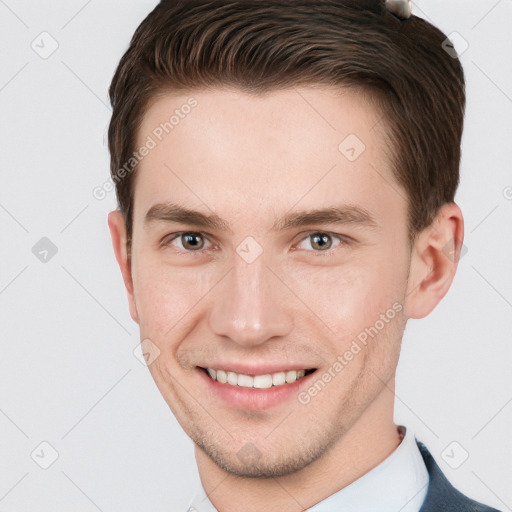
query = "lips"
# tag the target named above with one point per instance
(252, 386)
(261, 381)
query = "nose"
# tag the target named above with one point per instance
(251, 305)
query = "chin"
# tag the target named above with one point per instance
(269, 460)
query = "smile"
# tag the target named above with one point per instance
(256, 381)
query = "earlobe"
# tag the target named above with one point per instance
(434, 260)
(117, 227)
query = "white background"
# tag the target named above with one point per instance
(68, 375)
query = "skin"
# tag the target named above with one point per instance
(252, 160)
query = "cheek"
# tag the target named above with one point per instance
(168, 299)
(345, 299)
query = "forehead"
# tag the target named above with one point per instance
(227, 149)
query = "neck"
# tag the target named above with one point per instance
(370, 440)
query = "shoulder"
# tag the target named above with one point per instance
(441, 495)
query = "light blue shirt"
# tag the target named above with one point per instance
(398, 483)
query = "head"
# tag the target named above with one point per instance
(308, 152)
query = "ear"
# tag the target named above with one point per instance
(117, 226)
(434, 260)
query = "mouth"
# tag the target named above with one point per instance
(265, 381)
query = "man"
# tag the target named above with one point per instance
(286, 173)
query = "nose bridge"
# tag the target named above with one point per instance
(249, 307)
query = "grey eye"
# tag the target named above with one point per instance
(192, 241)
(321, 241)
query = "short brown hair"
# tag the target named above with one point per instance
(259, 46)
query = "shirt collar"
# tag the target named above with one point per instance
(398, 483)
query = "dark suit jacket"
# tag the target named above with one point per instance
(441, 495)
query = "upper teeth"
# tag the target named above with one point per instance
(257, 381)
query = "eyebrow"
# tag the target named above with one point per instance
(169, 212)
(346, 214)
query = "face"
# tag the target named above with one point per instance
(269, 265)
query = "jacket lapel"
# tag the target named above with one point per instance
(441, 495)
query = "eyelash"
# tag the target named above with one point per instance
(166, 241)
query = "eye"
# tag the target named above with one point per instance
(321, 242)
(187, 241)
(191, 241)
